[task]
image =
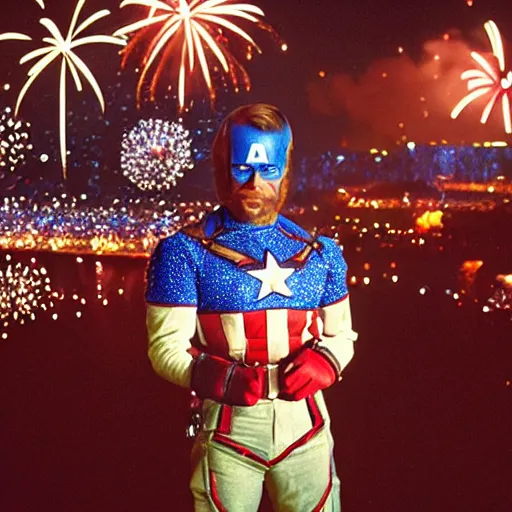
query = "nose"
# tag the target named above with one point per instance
(256, 181)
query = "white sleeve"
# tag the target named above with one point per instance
(337, 335)
(170, 330)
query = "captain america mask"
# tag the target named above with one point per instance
(257, 151)
(258, 166)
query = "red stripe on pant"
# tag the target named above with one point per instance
(215, 493)
(325, 496)
(317, 424)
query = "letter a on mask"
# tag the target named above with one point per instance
(257, 154)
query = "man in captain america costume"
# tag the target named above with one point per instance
(252, 313)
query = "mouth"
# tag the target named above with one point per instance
(252, 202)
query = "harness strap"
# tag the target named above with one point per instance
(197, 231)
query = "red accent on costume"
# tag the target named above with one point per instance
(323, 499)
(297, 320)
(215, 493)
(253, 330)
(227, 382)
(213, 331)
(255, 323)
(313, 328)
(311, 372)
(225, 414)
(317, 425)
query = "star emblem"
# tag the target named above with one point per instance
(272, 277)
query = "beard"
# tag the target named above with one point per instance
(254, 207)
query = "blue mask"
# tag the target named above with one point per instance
(256, 151)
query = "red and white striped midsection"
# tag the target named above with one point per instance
(264, 337)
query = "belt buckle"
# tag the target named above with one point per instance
(272, 381)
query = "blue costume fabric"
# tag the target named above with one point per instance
(184, 273)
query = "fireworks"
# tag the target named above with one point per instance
(14, 141)
(155, 153)
(58, 45)
(188, 32)
(23, 290)
(501, 299)
(490, 79)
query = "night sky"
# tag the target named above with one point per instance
(352, 42)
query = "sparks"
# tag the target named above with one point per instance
(63, 47)
(490, 79)
(156, 153)
(192, 31)
(14, 141)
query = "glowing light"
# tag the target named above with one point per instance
(430, 220)
(14, 141)
(284, 47)
(131, 228)
(489, 79)
(23, 290)
(40, 3)
(58, 45)
(156, 153)
(190, 31)
(505, 279)
(321, 74)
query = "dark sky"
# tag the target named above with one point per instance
(354, 42)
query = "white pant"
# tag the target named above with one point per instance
(286, 446)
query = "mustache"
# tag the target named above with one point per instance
(247, 194)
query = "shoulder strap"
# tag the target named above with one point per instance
(207, 231)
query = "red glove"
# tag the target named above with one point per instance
(305, 373)
(227, 381)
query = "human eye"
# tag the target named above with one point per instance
(241, 173)
(270, 172)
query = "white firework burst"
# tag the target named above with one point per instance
(14, 141)
(23, 291)
(155, 153)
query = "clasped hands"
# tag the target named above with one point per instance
(301, 374)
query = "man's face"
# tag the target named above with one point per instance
(258, 164)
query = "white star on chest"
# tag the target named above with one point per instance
(272, 277)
